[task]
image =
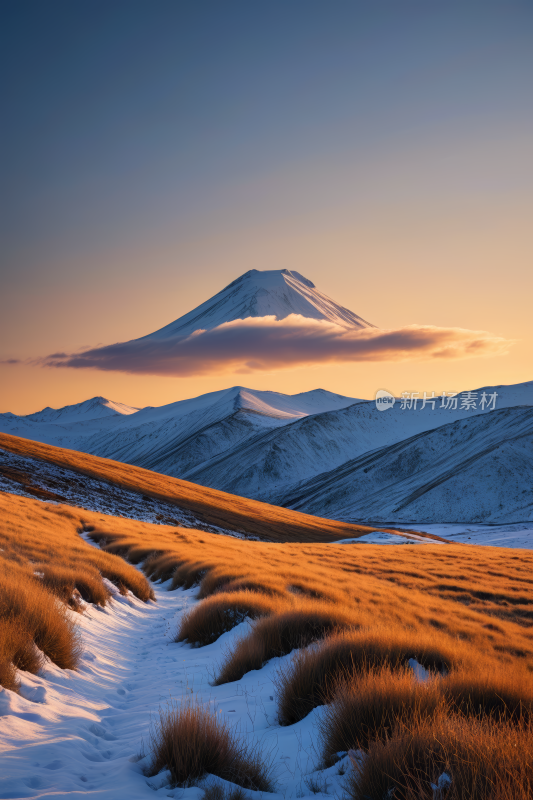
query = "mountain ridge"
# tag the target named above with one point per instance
(277, 293)
(468, 467)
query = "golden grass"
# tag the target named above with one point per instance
(466, 609)
(190, 742)
(311, 678)
(47, 536)
(505, 694)
(223, 510)
(38, 615)
(17, 651)
(221, 612)
(368, 706)
(365, 587)
(280, 634)
(44, 567)
(486, 760)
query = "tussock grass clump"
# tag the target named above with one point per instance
(368, 706)
(220, 613)
(189, 574)
(17, 651)
(39, 616)
(190, 742)
(278, 635)
(65, 582)
(485, 760)
(503, 695)
(45, 567)
(159, 567)
(310, 680)
(218, 792)
(222, 580)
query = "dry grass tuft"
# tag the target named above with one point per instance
(45, 567)
(71, 585)
(220, 613)
(368, 706)
(502, 695)
(485, 760)
(17, 651)
(310, 680)
(159, 567)
(218, 792)
(38, 615)
(190, 742)
(278, 635)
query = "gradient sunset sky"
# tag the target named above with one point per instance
(154, 151)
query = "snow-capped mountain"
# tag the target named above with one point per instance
(478, 470)
(95, 408)
(175, 438)
(265, 293)
(261, 444)
(178, 436)
(267, 445)
(267, 465)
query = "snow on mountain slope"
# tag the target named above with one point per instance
(174, 440)
(176, 437)
(260, 294)
(256, 444)
(271, 461)
(64, 426)
(95, 408)
(474, 470)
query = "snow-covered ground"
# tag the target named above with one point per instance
(81, 734)
(380, 537)
(517, 535)
(511, 535)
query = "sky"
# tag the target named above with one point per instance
(153, 152)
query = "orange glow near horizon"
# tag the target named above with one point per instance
(410, 244)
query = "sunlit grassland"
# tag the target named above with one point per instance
(353, 616)
(214, 507)
(45, 567)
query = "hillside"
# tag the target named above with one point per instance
(172, 438)
(257, 444)
(210, 506)
(386, 618)
(478, 469)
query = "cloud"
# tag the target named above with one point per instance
(264, 343)
(11, 361)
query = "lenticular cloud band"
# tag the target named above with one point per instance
(264, 343)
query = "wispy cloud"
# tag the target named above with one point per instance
(260, 344)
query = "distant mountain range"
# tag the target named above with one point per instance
(320, 452)
(316, 451)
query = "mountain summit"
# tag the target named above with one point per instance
(275, 293)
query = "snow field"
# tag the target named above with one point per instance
(81, 733)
